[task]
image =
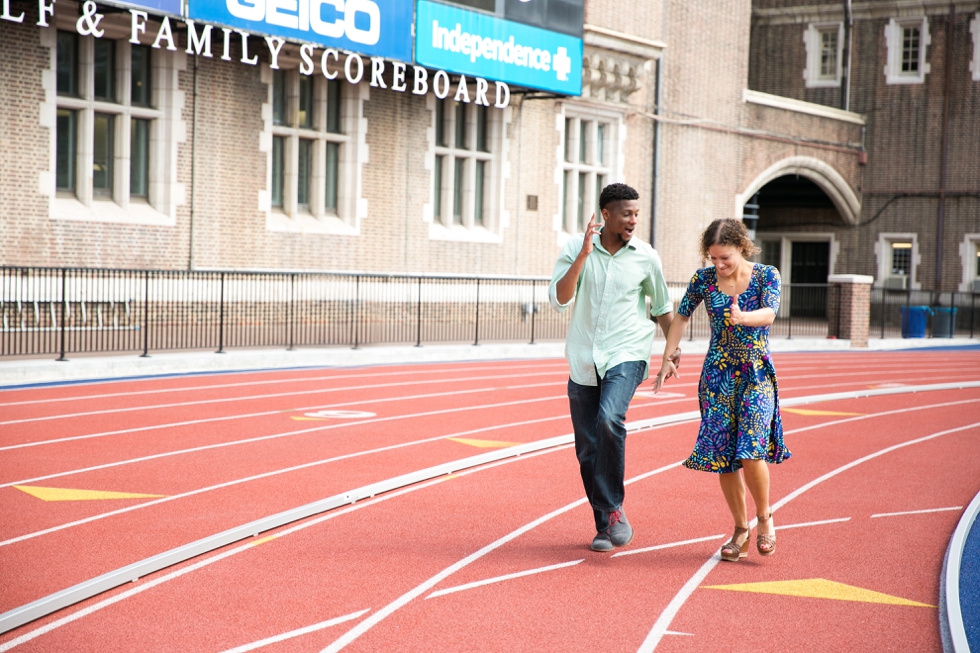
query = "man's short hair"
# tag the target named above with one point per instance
(616, 193)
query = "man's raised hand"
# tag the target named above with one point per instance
(590, 230)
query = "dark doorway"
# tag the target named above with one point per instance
(811, 264)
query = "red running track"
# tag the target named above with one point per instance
(387, 555)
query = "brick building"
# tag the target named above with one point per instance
(912, 70)
(138, 150)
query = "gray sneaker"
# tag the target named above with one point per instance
(602, 543)
(620, 531)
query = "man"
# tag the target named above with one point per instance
(608, 273)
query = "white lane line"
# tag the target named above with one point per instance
(674, 632)
(250, 546)
(813, 523)
(276, 472)
(167, 454)
(387, 385)
(667, 616)
(286, 434)
(296, 633)
(858, 418)
(378, 616)
(451, 393)
(718, 537)
(221, 386)
(667, 546)
(275, 395)
(499, 579)
(915, 512)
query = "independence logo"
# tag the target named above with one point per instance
(475, 46)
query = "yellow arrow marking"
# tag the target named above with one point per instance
(808, 412)
(818, 588)
(62, 494)
(264, 540)
(485, 444)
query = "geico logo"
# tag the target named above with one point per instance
(306, 15)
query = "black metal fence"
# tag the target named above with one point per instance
(923, 313)
(68, 310)
(59, 311)
(802, 312)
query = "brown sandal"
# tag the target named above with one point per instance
(733, 550)
(764, 543)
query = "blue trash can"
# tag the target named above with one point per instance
(914, 320)
(943, 322)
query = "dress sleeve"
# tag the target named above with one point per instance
(770, 288)
(694, 295)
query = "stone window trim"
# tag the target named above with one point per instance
(352, 207)
(970, 257)
(568, 121)
(883, 256)
(894, 41)
(166, 132)
(813, 40)
(975, 31)
(495, 217)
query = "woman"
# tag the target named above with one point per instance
(740, 423)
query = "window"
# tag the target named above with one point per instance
(901, 259)
(907, 41)
(586, 169)
(824, 46)
(898, 258)
(106, 129)
(970, 257)
(140, 85)
(139, 157)
(308, 145)
(975, 31)
(463, 165)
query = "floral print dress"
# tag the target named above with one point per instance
(737, 392)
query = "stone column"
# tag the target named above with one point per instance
(849, 309)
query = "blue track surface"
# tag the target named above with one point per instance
(970, 586)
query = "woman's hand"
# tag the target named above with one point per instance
(667, 370)
(736, 315)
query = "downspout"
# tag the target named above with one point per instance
(845, 96)
(190, 244)
(945, 160)
(656, 150)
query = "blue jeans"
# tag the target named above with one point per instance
(598, 416)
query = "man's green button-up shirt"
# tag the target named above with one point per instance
(609, 322)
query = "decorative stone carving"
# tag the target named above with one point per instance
(610, 76)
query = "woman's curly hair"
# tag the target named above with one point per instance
(727, 231)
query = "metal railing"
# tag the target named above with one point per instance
(947, 314)
(78, 310)
(802, 312)
(61, 311)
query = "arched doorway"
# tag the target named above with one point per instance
(803, 204)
